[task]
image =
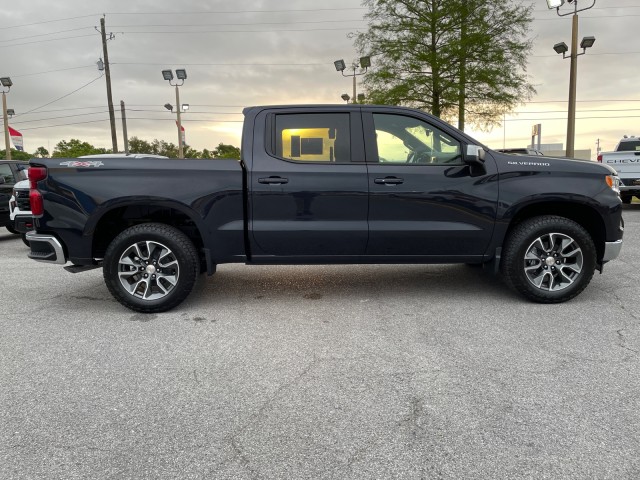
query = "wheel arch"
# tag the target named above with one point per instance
(584, 215)
(106, 226)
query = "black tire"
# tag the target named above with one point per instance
(147, 294)
(626, 199)
(12, 230)
(24, 240)
(556, 251)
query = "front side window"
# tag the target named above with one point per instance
(6, 173)
(407, 140)
(313, 137)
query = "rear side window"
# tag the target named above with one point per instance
(629, 146)
(313, 137)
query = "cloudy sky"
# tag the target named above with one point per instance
(256, 52)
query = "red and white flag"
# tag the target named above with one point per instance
(16, 138)
(182, 134)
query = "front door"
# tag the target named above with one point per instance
(425, 201)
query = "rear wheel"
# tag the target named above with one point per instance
(626, 199)
(12, 230)
(549, 259)
(24, 240)
(151, 267)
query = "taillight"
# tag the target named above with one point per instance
(600, 158)
(35, 197)
(36, 174)
(37, 205)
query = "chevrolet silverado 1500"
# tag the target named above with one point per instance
(328, 185)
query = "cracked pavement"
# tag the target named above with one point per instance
(320, 372)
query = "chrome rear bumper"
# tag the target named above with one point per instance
(45, 248)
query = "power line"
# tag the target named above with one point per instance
(134, 118)
(209, 12)
(64, 96)
(48, 40)
(583, 17)
(565, 118)
(45, 34)
(52, 71)
(590, 54)
(63, 109)
(137, 25)
(230, 64)
(166, 32)
(65, 124)
(50, 21)
(61, 116)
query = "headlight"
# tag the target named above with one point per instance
(614, 183)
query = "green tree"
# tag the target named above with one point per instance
(16, 154)
(41, 152)
(464, 58)
(226, 151)
(76, 148)
(160, 147)
(137, 145)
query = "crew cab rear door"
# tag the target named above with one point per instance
(308, 184)
(425, 201)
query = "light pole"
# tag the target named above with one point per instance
(6, 83)
(181, 74)
(365, 62)
(561, 48)
(345, 97)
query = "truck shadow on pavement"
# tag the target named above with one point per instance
(350, 283)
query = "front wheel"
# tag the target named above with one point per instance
(150, 267)
(549, 259)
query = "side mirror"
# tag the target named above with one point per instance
(2, 180)
(474, 155)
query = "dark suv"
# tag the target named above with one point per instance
(11, 172)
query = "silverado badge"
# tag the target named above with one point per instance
(83, 164)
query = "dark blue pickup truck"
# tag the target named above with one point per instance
(328, 185)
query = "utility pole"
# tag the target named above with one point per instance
(561, 48)
(7, 143)
(573, 78)
(112, 118)
(124, 127)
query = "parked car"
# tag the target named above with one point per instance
(11, 172)
(20, 209)
(325, 185)
(520, 151)
(625, 159)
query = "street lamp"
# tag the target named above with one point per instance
(6, 84)
(562, 49)
(365, 63)
(181, 73)
(345, 97)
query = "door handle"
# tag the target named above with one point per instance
(389, 181)
(273, 180)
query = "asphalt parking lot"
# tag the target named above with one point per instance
(345, 372)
